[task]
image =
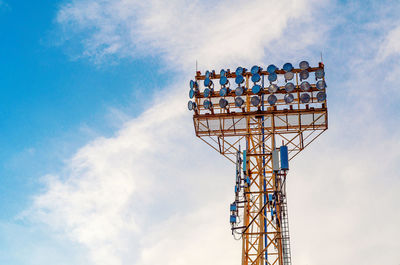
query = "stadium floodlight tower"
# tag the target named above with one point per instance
(252, 113)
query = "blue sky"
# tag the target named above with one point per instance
(51, 104)
(97, 146)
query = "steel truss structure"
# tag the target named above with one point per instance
(258, 130)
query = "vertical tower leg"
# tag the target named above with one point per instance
(262, 236)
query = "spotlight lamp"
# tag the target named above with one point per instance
(223, 81)
(193, 84)
(239, 91)
(319, 74)
(255, 101)
(207, 104)
(288, 76)
(208, 82)
(239, 102)
(272, 77)
(305, 98)
(239, 79)
(305, 86)
(271, 69)
(273, 88)
(288, 98)
(304, 75)
(321, 96)
(287, 67)
(223, 103)
(223, 92)
(239, 71)
(222, 72)
(304, 65)
(191, 105)
(207, 92)
(272, 99)
(255, 70)
(207, 74)
(289, 87)
(255, 78)
(321, 85)
(191, 93)
(256, 89)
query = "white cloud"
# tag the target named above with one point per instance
(391, 43)
(183, 31)
(154, 194)
(137, 189)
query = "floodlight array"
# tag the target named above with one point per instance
(255, 89)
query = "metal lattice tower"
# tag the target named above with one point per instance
(289, 110)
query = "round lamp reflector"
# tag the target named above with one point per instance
(255, 78)
(321, 96)
(190, 105)
(321, 84)
(305, 98)
(239, 79)
(272, 99)
(207, 74)
(223, 92)
(304, 75)
(255, 70)
(255, 101)
(273, 88)
(223, 103)
(304, 65)
(289, 87)
(207, 82)
(207, 92)
(289, 98)
(239, 102)
(272, 77)
(288, 76)
(191, 93)
(207, 104)
(239, 91)
(287, 67)
(320, 73)
(239, 71)
(223, 80)
(305, 86)
(222, 72)
(271, 68)
(256, 89)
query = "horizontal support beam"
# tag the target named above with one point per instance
(260, 113)
(244, 132)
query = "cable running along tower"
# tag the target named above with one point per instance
(260, 120)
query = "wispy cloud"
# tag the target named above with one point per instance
(182, 31)
(120, 194)
(391, 44)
